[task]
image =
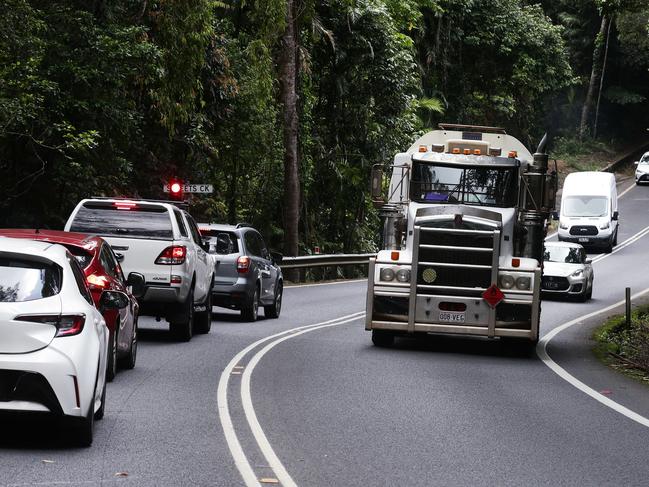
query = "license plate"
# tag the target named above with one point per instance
(552, 285)
(583, 239)
(451, 317)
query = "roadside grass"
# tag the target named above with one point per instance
(585, 155)
(625, 348)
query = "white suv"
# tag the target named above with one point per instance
(162, 242)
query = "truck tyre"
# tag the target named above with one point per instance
(183, 325)
(382, 338)
(250, 309)
(203, 319)
(274, 309)
(128, 362)
(111, 365)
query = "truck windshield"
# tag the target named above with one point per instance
(480, 186)
(584, 206)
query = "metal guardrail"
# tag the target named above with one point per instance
(322, 260)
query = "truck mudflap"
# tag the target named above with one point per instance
(445, 293)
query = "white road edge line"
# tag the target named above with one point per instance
(246, 398)
(240, 459)
(541, 351)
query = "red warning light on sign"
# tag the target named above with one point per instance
(493, 296)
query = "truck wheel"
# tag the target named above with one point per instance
(111, 366)
(183, 326)
(250, 309)
(128, 362)
(274, 309)
(203, 319)
(382, 338)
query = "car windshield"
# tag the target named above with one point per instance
(566, 255)
(109, 220)
(480, 186)
(584, 206)
(26, 280)
(645, 159)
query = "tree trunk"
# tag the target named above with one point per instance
(601, 78)
(595, 73)
(288, 98)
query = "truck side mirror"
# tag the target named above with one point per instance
(615, 215)
(377, 185)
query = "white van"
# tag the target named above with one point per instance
(589, 213)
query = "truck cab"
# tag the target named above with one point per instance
(464, 223)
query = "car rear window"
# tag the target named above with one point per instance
(210, 236)
(122, 220)
(27, 280)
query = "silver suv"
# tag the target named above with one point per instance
(246, 274)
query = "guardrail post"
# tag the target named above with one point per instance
(628, 306)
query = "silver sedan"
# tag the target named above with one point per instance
(567, 271)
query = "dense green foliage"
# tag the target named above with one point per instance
(114, 98)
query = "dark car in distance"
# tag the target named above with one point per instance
(103, 273)
(246, 274)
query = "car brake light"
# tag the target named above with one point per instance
(243, 264)
(173, 255)
(67, 325)
(95, 281)
(124, 205)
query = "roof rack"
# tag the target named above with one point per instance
(180, 204)
(472, 128)
(242, 225)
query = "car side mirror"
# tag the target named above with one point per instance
(555, 215)
(113, 300)
(588, 261)
(137, 283)
(636, 163)
(223, 244)
(277, 257)
(615, 215)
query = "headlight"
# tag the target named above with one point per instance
(506, 281)
(604, 226)
(403, 275)
(563, 226)
(523, 283)
(386, 274)
(577, 273)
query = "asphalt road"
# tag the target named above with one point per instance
(321, 406)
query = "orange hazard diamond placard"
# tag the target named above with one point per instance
(493, 296)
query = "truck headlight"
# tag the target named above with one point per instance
(604, 226)
(506, 281)
(403, 275)
(523, 283)
(563, 226)
(577, 273)
(386, 274)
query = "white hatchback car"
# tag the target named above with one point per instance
(53, 341)
(567, 271)
(642, 169)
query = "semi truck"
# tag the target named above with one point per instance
(464, 217)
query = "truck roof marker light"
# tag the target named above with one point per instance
(467, 152)
(423, 148)
(495, 151)
(477, 152)
(394, 255)
(512, 154)
(437, 147)
(456, 150)
(516, 262)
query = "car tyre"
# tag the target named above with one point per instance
(183, 328)
(250, 310)
(111, 366)
(615, 239)
(274, 309)
(382, 338)
(589, 295)
(203, 319)
(128, 362)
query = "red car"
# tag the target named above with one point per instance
(103, 273)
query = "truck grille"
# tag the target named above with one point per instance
(583, 230)
(454, 258)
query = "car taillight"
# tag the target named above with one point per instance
(243, 264)
(67, 325)
(173, 255)
(97, 281)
